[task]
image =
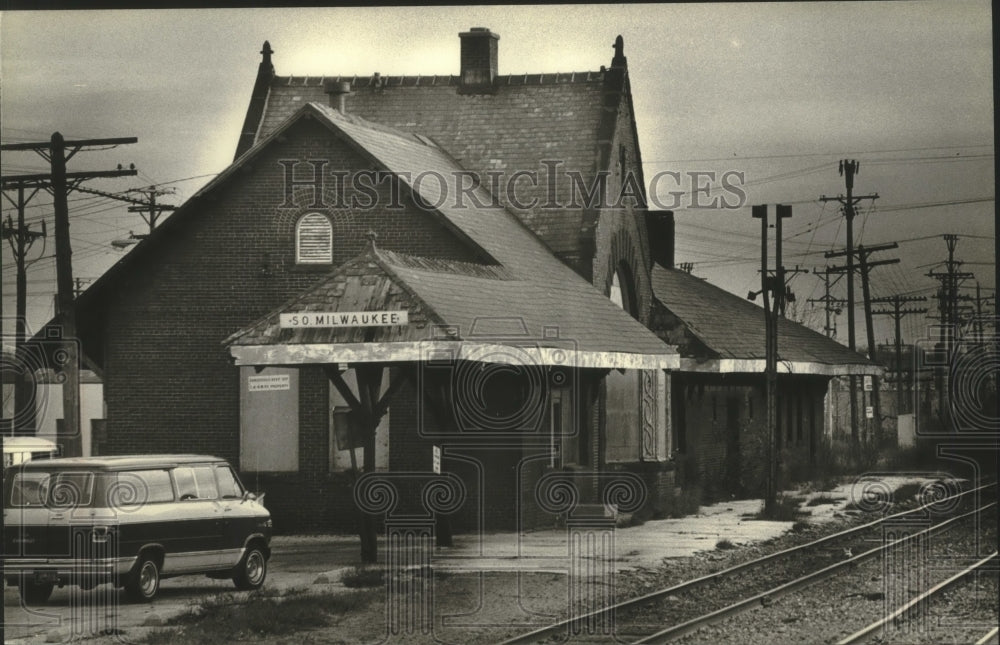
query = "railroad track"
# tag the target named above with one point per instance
(805, 557)
(916, 604)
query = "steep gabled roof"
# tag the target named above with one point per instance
(733, 330)
(524, 120)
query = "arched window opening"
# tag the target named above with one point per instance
(314, 239)
(622, 291)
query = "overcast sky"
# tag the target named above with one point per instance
(779, 92)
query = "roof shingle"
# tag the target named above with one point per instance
(733, 328)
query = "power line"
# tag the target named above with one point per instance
(819, 154)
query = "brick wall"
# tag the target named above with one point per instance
(170, 385)
(726, 432)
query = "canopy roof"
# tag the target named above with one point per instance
(710, 313)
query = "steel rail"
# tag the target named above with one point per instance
(561, 626)
(989, 637)
(695, 624)
(933, 591)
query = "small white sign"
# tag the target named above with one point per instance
(869, 412)
(868, 383)
(269, 382)
(437, 460)
(333, 319)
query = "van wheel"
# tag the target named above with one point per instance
(34, 593)
(144, 581)
(251, 570)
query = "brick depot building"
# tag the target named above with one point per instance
(376, 257)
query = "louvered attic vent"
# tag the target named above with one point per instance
(314, 240)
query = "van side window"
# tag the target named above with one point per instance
(205, 479)
(195, 483)
(71, 489)
(184, 479)
(28, 489)
(139, 487)
(229, 487)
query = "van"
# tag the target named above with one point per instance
(130, 521)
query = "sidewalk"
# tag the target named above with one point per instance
(646, 545)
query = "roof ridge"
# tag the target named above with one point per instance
(381, 81)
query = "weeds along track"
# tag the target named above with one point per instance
(670, 613)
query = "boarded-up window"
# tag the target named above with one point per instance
(269, 420)
(314, 239)
(622, 429)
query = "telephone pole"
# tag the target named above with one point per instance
(57, 151)
(848, 168)
(148, 208)
(771, 285)
(830, 304)
(21, 239)
(898, 312)
(865, 266)
(951, 279)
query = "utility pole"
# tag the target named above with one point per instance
(897, 312)
(138, 205)
(864, 265)
(848, 168)
(979, 324)
(830, 304)
(771, 285)
(21, 239)
(57, 151)
(951, 279)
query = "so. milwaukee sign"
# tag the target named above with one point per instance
(319, 319)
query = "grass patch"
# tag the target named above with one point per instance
(906, 493)
(363, 576)
(786, 509)
(229, 617)
(685, 501)
(819, 500)
(724, 544)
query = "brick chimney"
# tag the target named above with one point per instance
(660, 227)
(338, 91)
(479, 59)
